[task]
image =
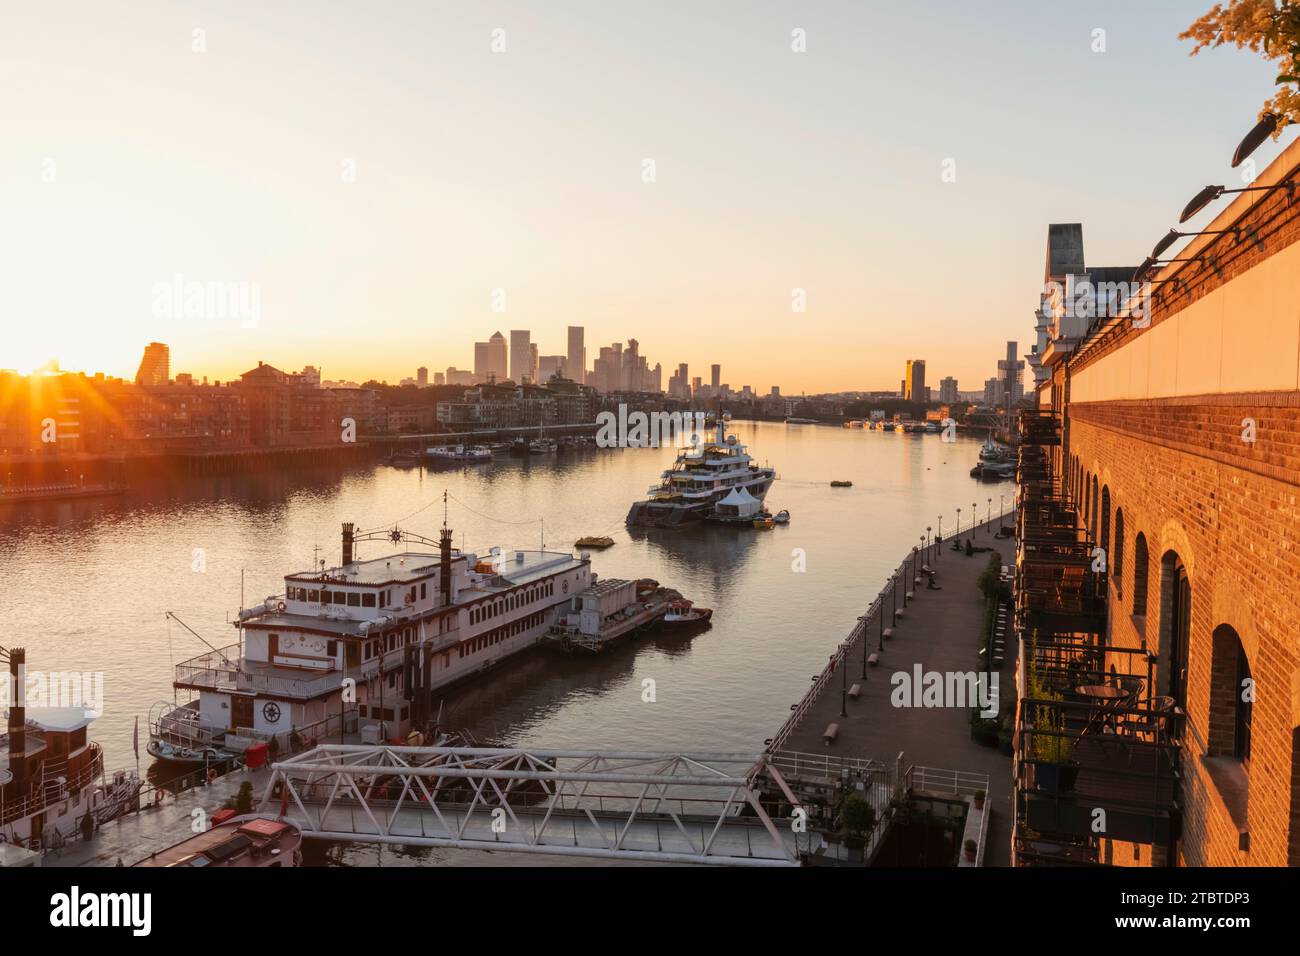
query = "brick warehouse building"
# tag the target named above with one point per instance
(1167, 443)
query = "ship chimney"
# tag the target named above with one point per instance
(444, 565)
(348, 527)
(18, 719)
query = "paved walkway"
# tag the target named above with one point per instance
(133, 837)
(940, 631)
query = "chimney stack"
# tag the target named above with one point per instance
(444, 565)
(348, 527)
(18, 719)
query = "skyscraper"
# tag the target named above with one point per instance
(422, 376)
(497, 366)
(715, 376)
(521, 355)
(576, 366)
(482, 360)
(914, 381)
(155, 365)
(948, 390)
(1011, 376)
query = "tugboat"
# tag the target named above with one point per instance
(700, 478)
(683, 615)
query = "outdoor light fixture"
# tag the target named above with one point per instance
(1262, 131)
(1211, 193)
(1174, 235)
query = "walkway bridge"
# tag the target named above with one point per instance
(701, 808)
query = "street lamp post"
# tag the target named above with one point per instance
(974, 514)
(932, 554)
(938, 541)
(844, 681)
(959, 526)
(990, 512)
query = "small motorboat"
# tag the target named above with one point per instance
(841, 484)
(782, 517)
(683, 614)
(765, 524)
(173, 753)
(594, 542)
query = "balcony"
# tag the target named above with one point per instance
(225, 671)
(1094, 749)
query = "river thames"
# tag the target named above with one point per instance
(86, 583)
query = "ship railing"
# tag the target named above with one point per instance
(53, 784)
(220, 670)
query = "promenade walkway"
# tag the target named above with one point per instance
(940, 630)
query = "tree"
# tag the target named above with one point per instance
(244, 799)
(1270, 28)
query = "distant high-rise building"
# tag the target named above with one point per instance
(482, 361)
(548, 365)
(498, 368)
(715, 376)
(422, 376)
(776, 391)
(521, 355)
(993, 391)
(1011, 376)
(532, 362)
(439, 378)
(948, 390)
(576, 366)
(459, 376)
(914, 381)
(155, 365)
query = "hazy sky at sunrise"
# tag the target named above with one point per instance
(522, 171)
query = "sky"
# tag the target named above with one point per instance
(374, 181)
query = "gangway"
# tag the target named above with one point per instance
(630, 805)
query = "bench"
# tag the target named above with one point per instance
(855, 690)
(887, 633)
(911, 596)
(873, 659)
(898, 613)
(832, 731)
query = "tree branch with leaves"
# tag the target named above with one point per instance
(1270, 28)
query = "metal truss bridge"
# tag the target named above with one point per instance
(626, 805)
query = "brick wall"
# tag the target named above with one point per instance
(1236, 533)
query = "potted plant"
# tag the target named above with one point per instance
(1054, 771)
(856, 818)
(970, 846)
(979, 799)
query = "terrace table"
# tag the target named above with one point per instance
(1105, 699)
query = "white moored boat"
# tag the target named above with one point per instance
(367, 627)
(461, 453)
(701, 477)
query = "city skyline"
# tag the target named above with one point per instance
(324, 227)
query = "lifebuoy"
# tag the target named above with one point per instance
(280, 606)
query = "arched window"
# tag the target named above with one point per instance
(1175, 626)
(1141, 564)
(1096, 503)
(1105, 524)
(1231, 695)
(1117, 560)
(1087, 500)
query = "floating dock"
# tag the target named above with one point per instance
(609, 611)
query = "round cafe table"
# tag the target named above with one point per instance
(1105, 696)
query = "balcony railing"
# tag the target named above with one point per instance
(224, 670)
